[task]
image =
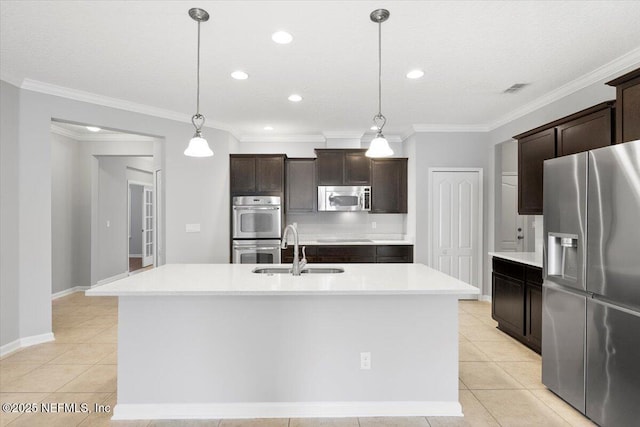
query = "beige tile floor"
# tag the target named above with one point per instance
(499, 378)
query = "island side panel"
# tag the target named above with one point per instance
(231, 349)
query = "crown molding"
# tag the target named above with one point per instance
(111, 137)
(409, 132)
(58, 130)
(606, 72)
(283, 138)
(120, 104)
(449, 128)
(390, 138)
(342, 135)
(12, 80)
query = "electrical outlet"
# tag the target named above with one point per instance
(373, 225)
(365, 360)
(108, 223)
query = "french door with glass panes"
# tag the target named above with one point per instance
(147, 227)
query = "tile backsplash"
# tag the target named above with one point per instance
(342, 224)
(538, 224)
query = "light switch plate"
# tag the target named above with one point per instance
(192, 228)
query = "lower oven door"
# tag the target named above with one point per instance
(256, 251)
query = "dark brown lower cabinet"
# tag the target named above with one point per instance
(337, 254)
(517, 301)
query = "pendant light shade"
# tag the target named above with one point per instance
(198, 146)
(379, 145)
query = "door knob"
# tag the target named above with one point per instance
(520, 237)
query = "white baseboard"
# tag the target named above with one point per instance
(135, 255)
(111, 279)
(25, 342)
(484, 298)
(69, 291)
(181, 411)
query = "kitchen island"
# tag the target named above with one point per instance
(218, 341)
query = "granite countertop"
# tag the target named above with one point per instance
(530, 258)
(238, 279)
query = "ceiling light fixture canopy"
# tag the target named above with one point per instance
(379, 146)
(198, 146)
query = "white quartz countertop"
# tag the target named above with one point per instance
(350, 242)
(237, 279)
(529, 258)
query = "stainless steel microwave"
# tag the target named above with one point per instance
(344, 198)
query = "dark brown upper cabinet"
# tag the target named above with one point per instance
(301, 192)
(533, 150)
(343, 167)
(253, 174)
(593, 130)
(389, 185)
(582, 131)
(627, 106)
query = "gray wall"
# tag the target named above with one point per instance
(113, 244)
(135, 219)
(66, 215)
(454, 149)
(72, 212)
(205, 202)
(9, 216)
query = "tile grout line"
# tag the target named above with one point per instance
(485, 408)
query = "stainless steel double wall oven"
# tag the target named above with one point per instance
(256, 229)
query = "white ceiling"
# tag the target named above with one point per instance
(144, 52)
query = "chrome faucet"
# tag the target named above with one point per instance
(297, 266)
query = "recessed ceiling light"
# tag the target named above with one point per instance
(240, 75)
(281, 37)
(415, 74)
(268, 128)
(295, 98)
(93, 128)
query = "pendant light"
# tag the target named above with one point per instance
(379, 146)
(198, 146)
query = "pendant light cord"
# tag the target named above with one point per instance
(380, 69)
(379, 120)
(198, 75)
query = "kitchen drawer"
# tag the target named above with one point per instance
(534, 275)
(339, 254)
(509, 269)
(394, 253)
(393, 250)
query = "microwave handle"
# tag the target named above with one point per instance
(365, 196)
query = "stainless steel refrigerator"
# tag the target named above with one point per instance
(591, 291)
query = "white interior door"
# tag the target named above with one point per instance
(456, 215)
(147, 227)
(512, 225)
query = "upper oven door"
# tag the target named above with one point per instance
(344, 198)
(256, 222)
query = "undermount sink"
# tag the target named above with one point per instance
(310, 270)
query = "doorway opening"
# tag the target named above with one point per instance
(92, 168)
(141, 226)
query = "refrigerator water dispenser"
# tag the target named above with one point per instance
(562, 256)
